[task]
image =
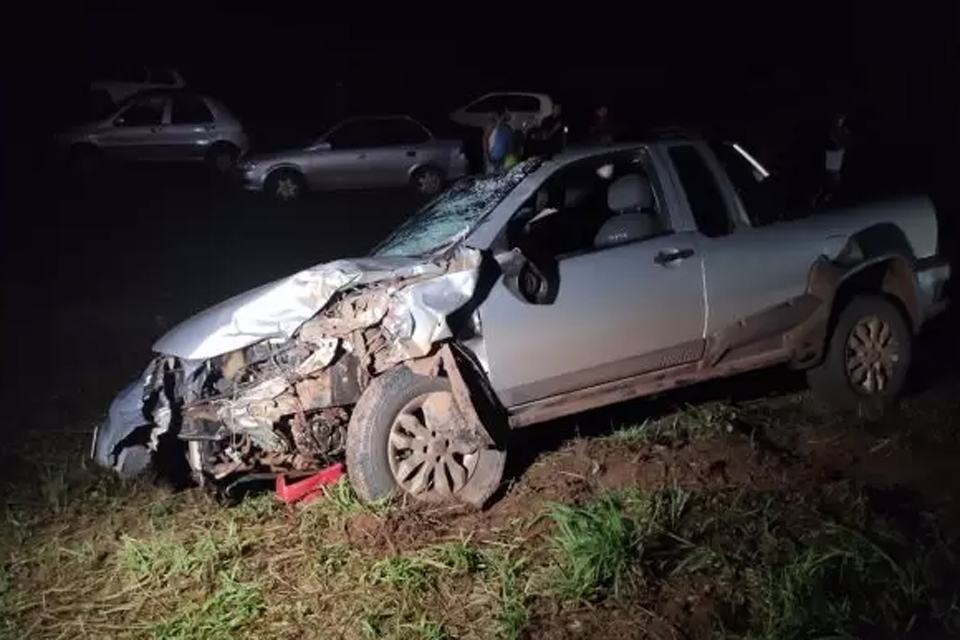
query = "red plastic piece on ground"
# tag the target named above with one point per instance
(309, 488)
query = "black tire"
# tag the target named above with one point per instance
(285, 185)
(830, 382)
(426, 181)
(369, 431)
(222, 158)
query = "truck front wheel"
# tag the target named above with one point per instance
(867, 359)
(407, 435)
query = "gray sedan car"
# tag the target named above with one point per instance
(158, 125)
(359, 153)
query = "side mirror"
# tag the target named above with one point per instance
(533, 282)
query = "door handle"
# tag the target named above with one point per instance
(411, 154)
(670, 256)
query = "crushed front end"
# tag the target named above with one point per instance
(280, 403)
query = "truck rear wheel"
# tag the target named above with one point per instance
(407, 435)
(867, 359)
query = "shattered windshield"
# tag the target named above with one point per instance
(451, 215)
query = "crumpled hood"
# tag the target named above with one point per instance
(278, 309)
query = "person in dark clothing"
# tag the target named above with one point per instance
(548, 139)
(838, 141)
(602, 132)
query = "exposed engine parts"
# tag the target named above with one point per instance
(279, 405)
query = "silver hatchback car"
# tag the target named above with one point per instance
(360, 153)
(159, 126)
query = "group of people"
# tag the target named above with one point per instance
(504, 146)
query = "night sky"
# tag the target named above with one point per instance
(285, 61)
(290, 70)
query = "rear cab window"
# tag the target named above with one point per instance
(765, 198)
(709, 208)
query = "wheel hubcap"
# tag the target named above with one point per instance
(428, 455)
(872, 355)
(428, 182)
(287, 188)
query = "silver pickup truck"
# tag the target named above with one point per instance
(569, 283)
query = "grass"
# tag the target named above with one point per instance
(85, 556)
(233, 606)
(682, 426)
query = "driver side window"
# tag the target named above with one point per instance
(144, 113)
(590, 206)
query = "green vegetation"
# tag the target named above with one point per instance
(85, 556)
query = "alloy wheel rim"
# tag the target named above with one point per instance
(872, 355)
(287, 188)
(426, 457)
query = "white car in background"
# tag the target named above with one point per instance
(526, 109)
(135, 79)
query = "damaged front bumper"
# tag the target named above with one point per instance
(263, 381)
(112, 445)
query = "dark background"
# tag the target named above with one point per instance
(301, 65)
(767, 72)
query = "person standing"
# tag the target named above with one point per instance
(497, 141)
(838, 141)
(550, 136)
(516, 152)
(602, 132)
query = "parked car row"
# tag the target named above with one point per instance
(154, 117)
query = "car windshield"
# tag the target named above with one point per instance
(453, 214)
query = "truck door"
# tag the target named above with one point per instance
(622, 307)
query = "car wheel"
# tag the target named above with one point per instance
(427, 181)
(867, 360)
(406, 435)
(222, 158)
(285, 185)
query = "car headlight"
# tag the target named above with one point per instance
(398, 323)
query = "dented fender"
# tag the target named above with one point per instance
(304, 343)
(124, 418)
